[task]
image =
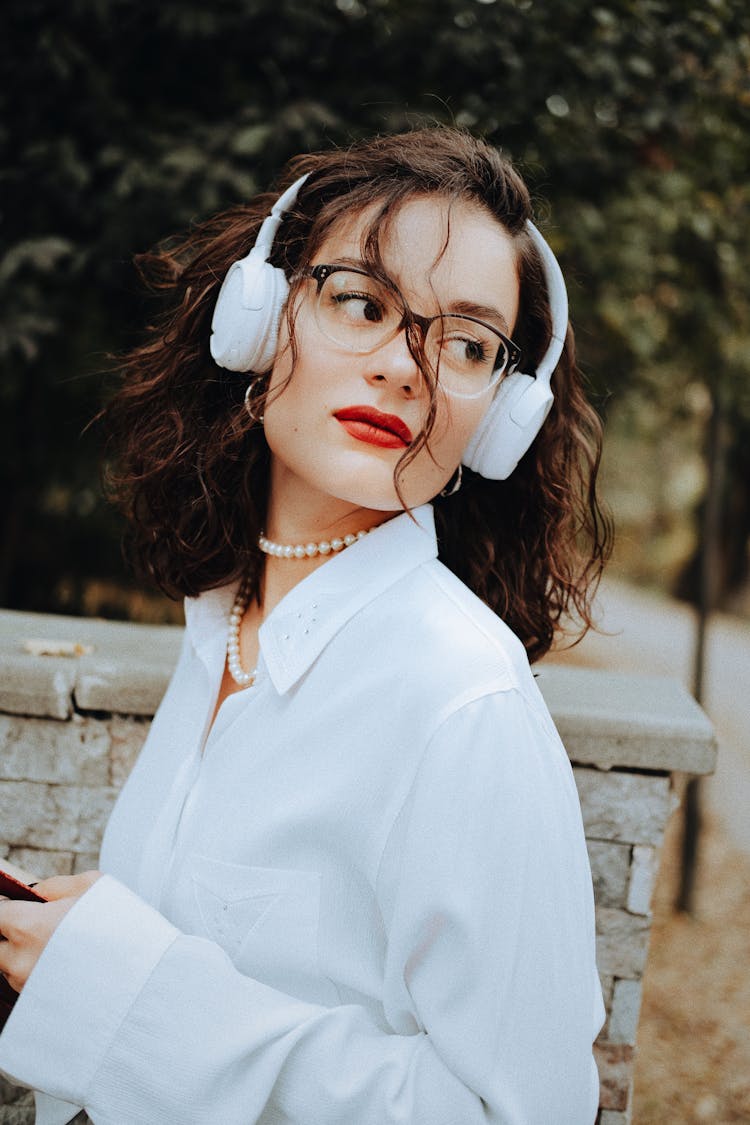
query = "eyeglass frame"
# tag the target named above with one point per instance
(320, 273)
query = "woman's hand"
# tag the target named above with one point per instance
(26, 927)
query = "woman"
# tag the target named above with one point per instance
(346, 881)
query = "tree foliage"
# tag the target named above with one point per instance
(125, 120)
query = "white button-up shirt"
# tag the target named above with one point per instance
(362, 897)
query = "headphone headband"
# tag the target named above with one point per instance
(557, 295)
(272, 222)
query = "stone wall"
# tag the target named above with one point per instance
(71, 727)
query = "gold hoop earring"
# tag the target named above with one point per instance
(259, 418)
(456, 483)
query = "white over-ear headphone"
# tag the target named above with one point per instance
(245, 325)
(245, 330)
(518, 410)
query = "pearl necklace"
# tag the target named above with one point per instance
(308, 550)
(236, 671)
(279, 551)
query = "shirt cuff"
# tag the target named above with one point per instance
(82, 988)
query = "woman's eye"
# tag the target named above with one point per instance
(475, 350)
(466, 349)
(359, 307)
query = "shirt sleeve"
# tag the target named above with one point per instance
(490, 992)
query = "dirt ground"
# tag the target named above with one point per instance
(693, 1063)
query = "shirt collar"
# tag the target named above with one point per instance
(311, 614)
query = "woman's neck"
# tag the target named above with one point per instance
(300, 516)
(298, 513)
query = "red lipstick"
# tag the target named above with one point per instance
(367, 424)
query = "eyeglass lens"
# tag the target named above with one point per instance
(359, 313)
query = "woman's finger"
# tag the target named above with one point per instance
(66, 886)
(15, 965)
(12, 948)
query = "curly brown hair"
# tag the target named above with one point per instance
(190, 467)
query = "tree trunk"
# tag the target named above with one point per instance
(708, 586)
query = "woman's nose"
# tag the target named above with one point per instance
(394, 363)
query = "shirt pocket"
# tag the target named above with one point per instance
(266, 918)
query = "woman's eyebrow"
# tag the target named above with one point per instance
(353, 263)
(483, 312)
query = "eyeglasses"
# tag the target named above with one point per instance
(360, 313)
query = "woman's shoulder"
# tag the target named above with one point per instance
(445, 626)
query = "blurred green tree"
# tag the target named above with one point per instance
(124, 121)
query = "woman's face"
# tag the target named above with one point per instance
(442, 258)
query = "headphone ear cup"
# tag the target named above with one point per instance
(245, 325)
(510, 425)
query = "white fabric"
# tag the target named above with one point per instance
(365, 900)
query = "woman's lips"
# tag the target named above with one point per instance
(365, 423)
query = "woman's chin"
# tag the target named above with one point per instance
(385, 499)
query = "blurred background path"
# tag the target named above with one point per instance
(650, 633)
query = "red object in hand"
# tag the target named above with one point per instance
(14, 888)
